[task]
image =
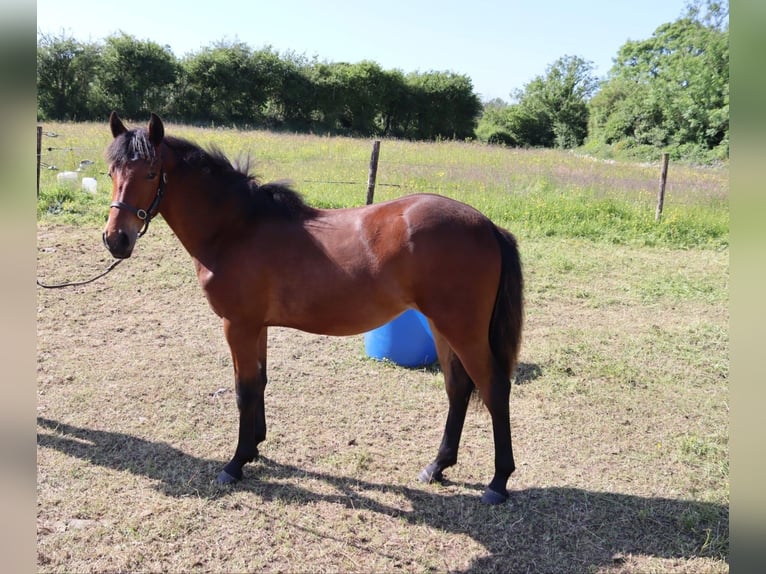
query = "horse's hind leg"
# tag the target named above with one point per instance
(494, 387)
(497, 397)
(248, 351)
(459, 387)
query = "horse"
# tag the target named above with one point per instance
(264, 258)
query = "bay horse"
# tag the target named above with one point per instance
(265, 258)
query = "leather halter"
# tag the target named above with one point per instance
(146, 215)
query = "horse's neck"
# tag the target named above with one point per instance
(189, 212)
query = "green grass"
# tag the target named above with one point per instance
(535, 193)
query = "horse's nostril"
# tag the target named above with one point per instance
(123, 241)
(118, 244)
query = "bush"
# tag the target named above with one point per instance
(502, 137)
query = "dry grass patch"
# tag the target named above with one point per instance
(619, 415)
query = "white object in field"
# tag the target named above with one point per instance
(89, 184)
(67, 177)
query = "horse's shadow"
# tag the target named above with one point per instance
(526, 373)
(557, 529)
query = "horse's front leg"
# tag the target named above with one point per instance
(248, 352)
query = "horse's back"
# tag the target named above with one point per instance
(422, 223)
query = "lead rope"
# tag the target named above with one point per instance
(145, 216)
(76, 283)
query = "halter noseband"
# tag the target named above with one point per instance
(146, 215)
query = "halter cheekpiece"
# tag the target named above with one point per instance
(146, 215)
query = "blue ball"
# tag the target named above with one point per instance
(406, 340)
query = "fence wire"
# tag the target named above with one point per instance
(52, 158)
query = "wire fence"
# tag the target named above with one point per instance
(70, 158)
(463, 171)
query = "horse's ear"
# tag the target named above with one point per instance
(156, 130)
(116, 125)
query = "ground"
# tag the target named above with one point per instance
(619, 415)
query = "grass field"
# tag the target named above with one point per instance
(619, 408)
(536, 193)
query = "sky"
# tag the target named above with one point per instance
(500, 44)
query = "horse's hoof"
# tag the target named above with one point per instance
(225, 478)
(429, 476)
(493, 498)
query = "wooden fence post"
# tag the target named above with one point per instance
(39, 147)
(661, 193)
(373, 171)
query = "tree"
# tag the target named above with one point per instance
(553, 109)
(356, 99)
(228, 83)
(136, 77)
(672, 90)
(65, 74)
(550, 111)
(395, 99)
(294, 103)
(339, 109)
(365, 84)
(444, 106)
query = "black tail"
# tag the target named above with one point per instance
(508, 313)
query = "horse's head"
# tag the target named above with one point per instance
(138, 183)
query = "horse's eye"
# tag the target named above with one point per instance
(152, 175)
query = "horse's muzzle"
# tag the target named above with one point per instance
(118, 243)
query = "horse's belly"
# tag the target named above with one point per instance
(337, 314)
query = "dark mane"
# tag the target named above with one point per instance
(232, 182)
(129, 146)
